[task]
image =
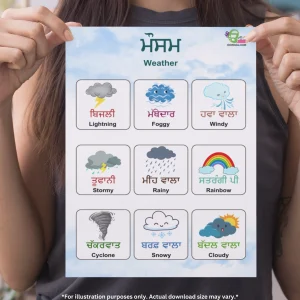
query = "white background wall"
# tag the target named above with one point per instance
(278, 295)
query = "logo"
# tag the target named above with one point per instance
(234, 38)
(160, 44)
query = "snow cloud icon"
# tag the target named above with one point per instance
(160, 221)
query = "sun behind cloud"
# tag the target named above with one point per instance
(232, 219)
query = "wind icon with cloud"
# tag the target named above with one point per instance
(220, 94)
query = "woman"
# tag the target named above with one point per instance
(32, 192)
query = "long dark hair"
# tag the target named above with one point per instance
(48, 113)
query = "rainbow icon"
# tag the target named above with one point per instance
(222, 159)
(219, 158)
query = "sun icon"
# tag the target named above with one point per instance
(234, 221)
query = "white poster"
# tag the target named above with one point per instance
(160, 153)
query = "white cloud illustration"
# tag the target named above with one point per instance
(159, 221)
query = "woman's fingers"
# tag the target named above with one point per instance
(283, 25)
(34, 31)
(54, 40)
(25, 45)
(286, 44)
(23, 41)
(289, 63)
(42, 15)
(266, 49)
(13, 57)
(293, 81)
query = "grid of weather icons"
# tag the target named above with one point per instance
(161, 170)
(161, 234)
(161, 104)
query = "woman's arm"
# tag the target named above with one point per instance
(279, 43)
(287, 266)
(287, 243)
(26, 201)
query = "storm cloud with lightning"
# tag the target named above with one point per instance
(100, 92)
(102, 162)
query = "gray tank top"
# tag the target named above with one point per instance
(271, 143)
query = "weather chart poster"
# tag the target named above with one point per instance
(160, 153)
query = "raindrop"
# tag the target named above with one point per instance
(149, 170)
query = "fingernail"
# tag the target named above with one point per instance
(68, 35)
(250, 37)
(76, 24)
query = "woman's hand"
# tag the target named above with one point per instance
(282, 61)
(24, 44)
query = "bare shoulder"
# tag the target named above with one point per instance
(32, 163)
(282, 106)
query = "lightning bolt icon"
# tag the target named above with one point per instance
(99, 101)
(103, 168)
